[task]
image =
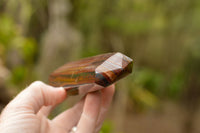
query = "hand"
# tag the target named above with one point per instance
(27, 113)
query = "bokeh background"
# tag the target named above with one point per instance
(162, 36)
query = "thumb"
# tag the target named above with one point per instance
(35, 96)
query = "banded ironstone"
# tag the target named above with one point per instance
(92, 73)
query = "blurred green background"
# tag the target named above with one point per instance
(161, 36)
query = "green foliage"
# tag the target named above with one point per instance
(8, 29)
(26, 47)
(18, 75)
(149, 79)
(143, 98)
(145, 88)
(90, 52)
(176, 85)
(12, 38)
(107, 127)
(126, 27)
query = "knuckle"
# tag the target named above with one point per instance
(37, 85)
(88, 117)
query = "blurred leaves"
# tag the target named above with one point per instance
(18, 75)
(127, 27)
(8, 29)
(26, 47)
(149, 80)
(16, 50)
(107, 127)
(176, 85)
(145, 88)
(144, 98)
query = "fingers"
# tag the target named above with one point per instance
(90, 113)
(37, 95)
(70, 117)
(45, 110)
(53, 128)
(107, 96)
(96, 106)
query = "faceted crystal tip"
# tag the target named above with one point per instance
(114, 68)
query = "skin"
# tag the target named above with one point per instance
(28, 111)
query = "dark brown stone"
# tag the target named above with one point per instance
(101, 71)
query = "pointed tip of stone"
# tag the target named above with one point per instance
(113, 69)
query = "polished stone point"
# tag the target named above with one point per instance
(92, 73)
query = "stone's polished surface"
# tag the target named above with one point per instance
(91, 73)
